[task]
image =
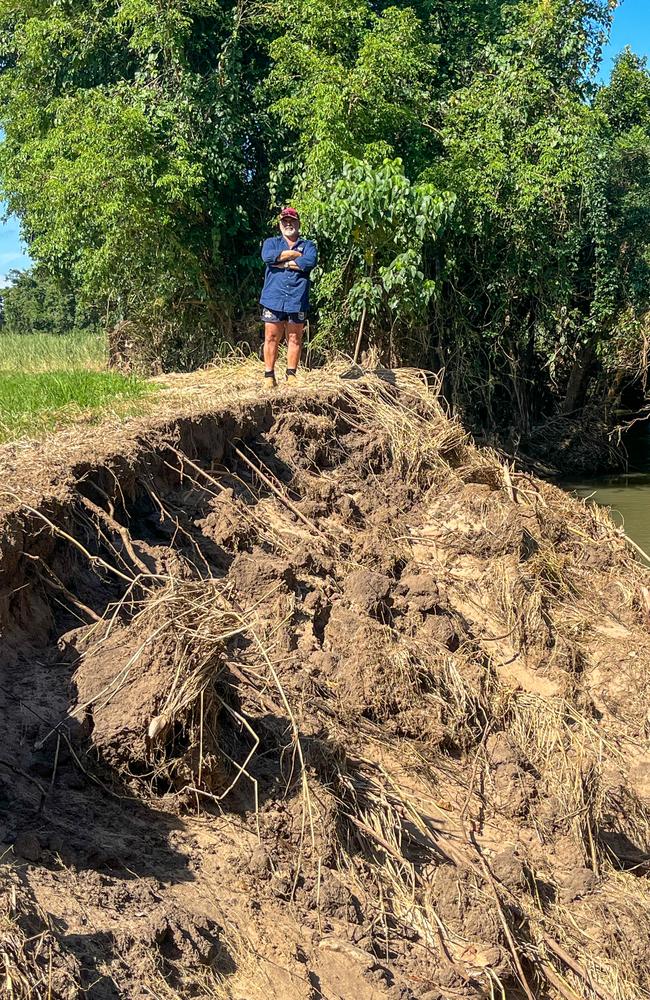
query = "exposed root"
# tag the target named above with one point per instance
(396, 661)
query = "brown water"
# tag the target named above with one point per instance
(627, 495)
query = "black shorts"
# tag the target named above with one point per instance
(270, 316)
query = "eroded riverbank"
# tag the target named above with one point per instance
(312, 698)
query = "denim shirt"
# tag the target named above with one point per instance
(286, 290)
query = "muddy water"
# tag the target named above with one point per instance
(628, 495)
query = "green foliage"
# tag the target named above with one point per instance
(481, 205)
(623, 292)
(517, 155)
(131, 151)
(533, 290)
(625, 101)
(375, 226)
(352, 162)
(37, 302)
(358, 89)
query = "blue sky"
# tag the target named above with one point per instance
(631, 27)
(12, 253)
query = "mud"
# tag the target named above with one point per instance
(315, 700)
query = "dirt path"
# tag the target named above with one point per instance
(309, 698)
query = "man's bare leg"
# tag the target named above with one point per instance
(294, 345)
(273, 334)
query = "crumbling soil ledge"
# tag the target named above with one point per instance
(311, 698)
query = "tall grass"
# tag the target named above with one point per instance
(44, 352)
(49, 381)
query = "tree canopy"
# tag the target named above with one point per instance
(38, 302)
(481, 204)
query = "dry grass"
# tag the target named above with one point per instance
(184, 629)
(30, 965)
(389, 846)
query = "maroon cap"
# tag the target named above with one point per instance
(289, 213)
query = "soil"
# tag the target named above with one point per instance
(311, 698)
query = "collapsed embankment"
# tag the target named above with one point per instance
(311, 698)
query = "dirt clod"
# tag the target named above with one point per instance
(27, 845)
(367, 590)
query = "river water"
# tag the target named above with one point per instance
(628, 495)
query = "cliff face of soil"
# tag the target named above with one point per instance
(312, 699)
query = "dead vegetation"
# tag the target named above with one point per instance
(33, 962)
(411, 680)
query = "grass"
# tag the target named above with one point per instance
(45, 352)
(47, 382)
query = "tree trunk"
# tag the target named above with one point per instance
(578, 380)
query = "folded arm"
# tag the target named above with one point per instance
(294, 259)
(269, 252)
(271, 257)
(307, 260)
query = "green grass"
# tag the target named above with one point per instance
(47, 382)
(44, 352)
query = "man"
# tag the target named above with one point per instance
(289, 260)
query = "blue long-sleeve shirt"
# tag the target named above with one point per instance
(285, 289)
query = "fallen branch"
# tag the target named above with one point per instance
(280, 495)
(558, 983)
(574, 965)
(504, 923)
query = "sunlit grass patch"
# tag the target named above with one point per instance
(34, 402)
(47, 352)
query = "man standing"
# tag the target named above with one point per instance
(289, 260)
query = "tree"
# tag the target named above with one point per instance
(356, 136)
(38, 302)
(481, 204)
(132, 154)
(622, 296)
(377, 228)
(532, 291)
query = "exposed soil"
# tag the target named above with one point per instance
(312, 699)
